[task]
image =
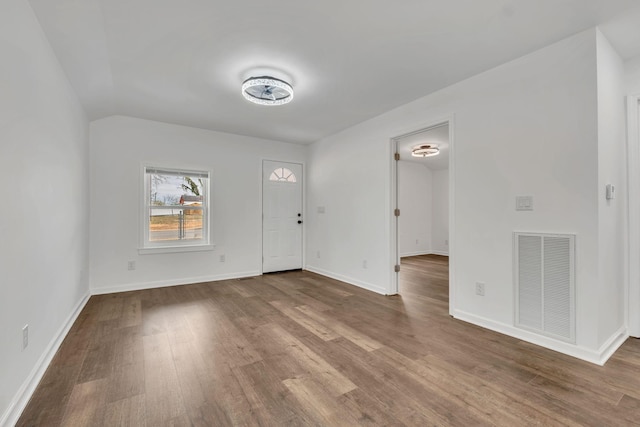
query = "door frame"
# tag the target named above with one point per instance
(633, 217)
(393, 202)
(304, 210)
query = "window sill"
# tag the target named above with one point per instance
(175, 249)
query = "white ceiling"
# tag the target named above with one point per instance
(184, 61)
(438, 135)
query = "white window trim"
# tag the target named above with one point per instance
(176, 249)
(145, 247)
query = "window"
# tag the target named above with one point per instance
(282, 175)
(176, 210)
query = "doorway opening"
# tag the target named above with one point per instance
(422, 203)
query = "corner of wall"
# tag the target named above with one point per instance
(612, 167)
(22, 397)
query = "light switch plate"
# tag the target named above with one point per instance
(611, 191)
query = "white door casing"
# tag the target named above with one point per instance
(633, 247)
(393, 204)
(281, 216)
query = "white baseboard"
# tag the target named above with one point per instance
(407, 254)
(417, 253)
(20, 400)
(173, 282)
(612, 344)
(443, 253)
(598, 357)
(351, 281)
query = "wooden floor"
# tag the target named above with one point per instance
(300, 349)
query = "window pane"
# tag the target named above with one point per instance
(175, 224)
(282, 175)
(176, 207)
(172, 190)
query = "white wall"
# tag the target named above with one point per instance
(414, 201)
(119, 146)
(44, 225)
(611, 170)
(507, 122)
(423, 199)
(632, 76)
(440, 213)
(348, 175)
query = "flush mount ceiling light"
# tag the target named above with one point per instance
(267, 91)
(425, 150)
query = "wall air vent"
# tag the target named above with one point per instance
(545, 284)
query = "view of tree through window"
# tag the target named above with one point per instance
(176, 207)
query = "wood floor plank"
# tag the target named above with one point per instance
(50, 399)
(347, 332)
(317, 367)
(226, 403)
(128, 412)
(499, 405)
(256, 307)
(317, 402)
(127, 376)
(596, 410)
(628, 409)
(365, 411)
(297, 348)
(162, 389)
(270, 401)
(100, 354)
(190, 367)
(292, 290)
(204, 396)
(243, 291)
(423, 402)
(390, 391)
(131, 312)
(230, 340)
(111, 307)
(86, 405)
(306, 322)
(211, 392)
(334, 288)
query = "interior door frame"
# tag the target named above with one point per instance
(393, 200)
(632, 289)
(304, 210)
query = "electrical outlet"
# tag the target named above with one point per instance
(364, 264)
(223, 258)
(25, 336)
(318, 254)
(131, 265)
(446, 242)
(417, 242)
(480, 289)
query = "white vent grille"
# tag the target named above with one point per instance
(544, 279)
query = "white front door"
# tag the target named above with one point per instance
(281, 216)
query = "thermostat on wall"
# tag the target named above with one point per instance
(524, 203)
